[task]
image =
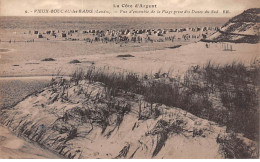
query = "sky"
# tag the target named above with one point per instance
(164, 8)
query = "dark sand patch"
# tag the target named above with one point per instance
(4, 50)
(32, 63)
(126, 55)
(74, 62)
(173, 47)
(48, 59)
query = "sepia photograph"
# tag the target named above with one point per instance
(121, 79)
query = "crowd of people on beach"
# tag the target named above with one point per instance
(120, 36)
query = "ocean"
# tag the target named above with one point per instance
(104, 23)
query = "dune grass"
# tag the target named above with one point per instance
(226, 94)
(237, 87)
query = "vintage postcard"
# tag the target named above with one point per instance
(121, 79)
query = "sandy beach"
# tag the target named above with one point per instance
(177, 60)
(17, 81)
(91, 112)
